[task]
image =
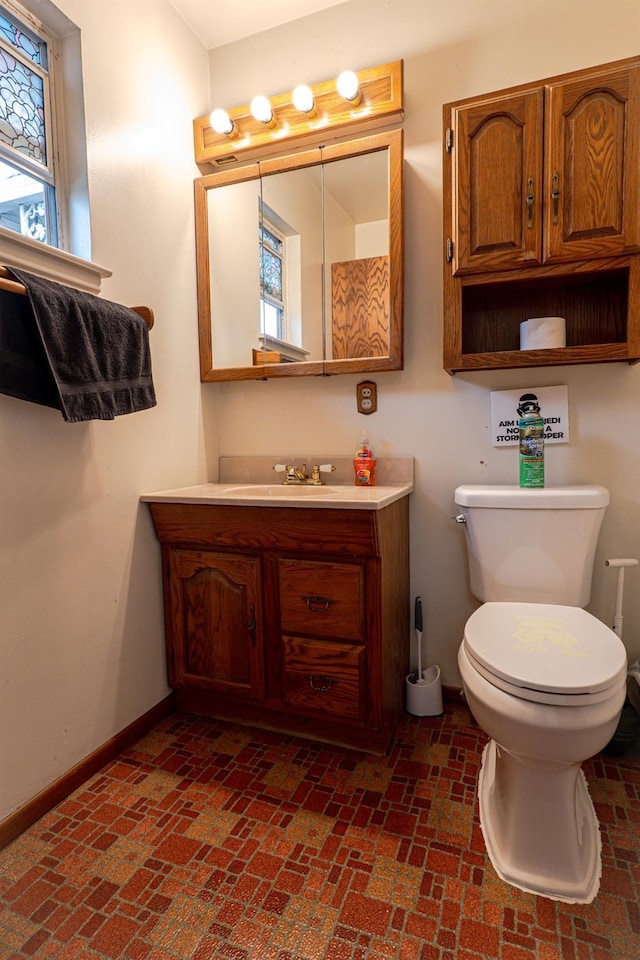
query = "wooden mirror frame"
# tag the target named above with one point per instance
(391, 141)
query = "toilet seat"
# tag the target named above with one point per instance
(545, 653)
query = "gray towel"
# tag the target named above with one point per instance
(24, 371)
(83, 355)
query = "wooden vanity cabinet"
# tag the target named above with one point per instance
(295, 619)
(542, 192)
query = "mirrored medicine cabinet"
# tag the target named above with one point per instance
(300, 263)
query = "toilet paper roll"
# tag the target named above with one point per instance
(540, 333)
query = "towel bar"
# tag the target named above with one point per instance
(13, 287)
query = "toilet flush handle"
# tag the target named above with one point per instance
(461, 518)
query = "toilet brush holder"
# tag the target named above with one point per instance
(424, 699)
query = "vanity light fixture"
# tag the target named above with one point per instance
(349, 88)
(222, 123)
(310, 115)
(261, 110)
(303, 101)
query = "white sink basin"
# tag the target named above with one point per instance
(280, 490)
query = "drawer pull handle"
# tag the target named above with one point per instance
(318, 604)
(320, 684)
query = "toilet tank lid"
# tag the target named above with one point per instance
(575, 497)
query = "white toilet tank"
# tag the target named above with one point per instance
(535, 545)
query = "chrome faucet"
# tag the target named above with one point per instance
(299, 475)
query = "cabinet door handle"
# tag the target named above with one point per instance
(318, 604)
(252, 619)
(320, 684)
(530, 200)
(555, 195)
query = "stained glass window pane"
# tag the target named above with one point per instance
(30, 46)
(271, 273)
(22, 108)
(270, 239)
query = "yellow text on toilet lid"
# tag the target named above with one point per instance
(545, 635)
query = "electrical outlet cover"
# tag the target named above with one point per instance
(367, 397)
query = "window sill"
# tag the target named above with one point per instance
(49, 262)
(288, 351)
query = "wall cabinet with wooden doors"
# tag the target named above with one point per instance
(294, 619)
(542, 218)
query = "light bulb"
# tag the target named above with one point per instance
(222, 123)
(303, 100)
(347, 85)
(261, 110)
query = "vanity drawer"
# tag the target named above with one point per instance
(322, 599)
(325, 676)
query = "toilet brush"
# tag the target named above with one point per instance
(423, 690)
(417, 618)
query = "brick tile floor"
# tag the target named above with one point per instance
(211, 841)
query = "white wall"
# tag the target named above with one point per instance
(450, 51)
(81, 640)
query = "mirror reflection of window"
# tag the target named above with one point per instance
(272, 280)
(291, 209)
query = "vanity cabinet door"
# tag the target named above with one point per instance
(216, 629)
(592, 177)
(496, 146)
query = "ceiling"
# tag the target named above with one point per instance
(216, 22)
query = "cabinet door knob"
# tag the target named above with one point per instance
(252, 619)
(320, 684)
(318, 604)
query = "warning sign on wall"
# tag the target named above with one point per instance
(554, 407)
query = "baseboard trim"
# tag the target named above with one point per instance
(453, 696)
(59, 790)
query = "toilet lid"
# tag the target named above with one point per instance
(544, 647)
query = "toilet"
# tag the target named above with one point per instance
(543, 678)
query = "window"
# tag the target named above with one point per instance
(44, 184)
(27, 172)
(280, 263)
(272, 280)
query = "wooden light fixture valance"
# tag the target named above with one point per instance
(380, 103)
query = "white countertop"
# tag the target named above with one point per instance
(332, 495)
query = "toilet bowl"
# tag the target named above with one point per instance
(546, 683)
(543, 678)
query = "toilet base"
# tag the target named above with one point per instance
(539, 825)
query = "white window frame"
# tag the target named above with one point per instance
(70, 262)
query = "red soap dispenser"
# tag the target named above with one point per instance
(364, 463)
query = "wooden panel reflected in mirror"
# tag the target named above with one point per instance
(360, 308)
(297, 276)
